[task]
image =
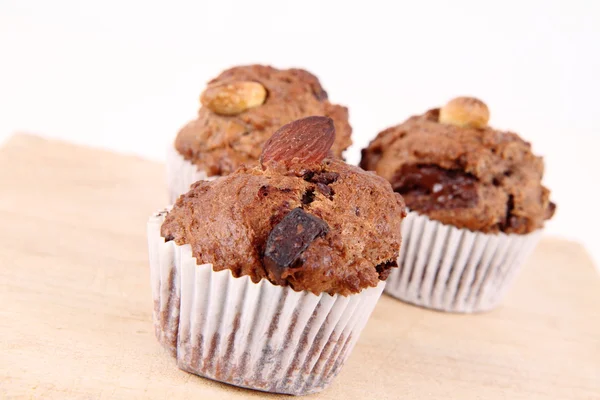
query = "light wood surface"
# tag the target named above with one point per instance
(75, 307)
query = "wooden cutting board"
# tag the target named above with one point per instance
(75, 304)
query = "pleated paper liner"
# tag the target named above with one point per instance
(254, 335)
(450, 269)
(181, 174)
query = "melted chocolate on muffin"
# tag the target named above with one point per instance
(471, 177)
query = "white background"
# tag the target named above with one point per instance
(126, 75)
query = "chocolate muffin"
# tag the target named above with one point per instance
(468, 176)
(241, 108)
(264, 278)
(451, 167)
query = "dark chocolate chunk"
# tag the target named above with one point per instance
(429, 187)
(289, 239)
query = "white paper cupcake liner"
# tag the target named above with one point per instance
(254, 335)
(181, 174)
(451, 269)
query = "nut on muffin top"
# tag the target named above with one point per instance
(450, 165)
(242, 107)
(299, 219)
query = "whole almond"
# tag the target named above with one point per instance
(304, 141)
(466, 112)
(233, 98)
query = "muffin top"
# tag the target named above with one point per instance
(449, 165)
(242, 107)
(299, 218)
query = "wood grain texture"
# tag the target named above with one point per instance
(75, 304)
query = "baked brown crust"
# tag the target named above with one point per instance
(228, 222)
(221, 143)
(480, 179)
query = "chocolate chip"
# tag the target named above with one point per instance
(325, 190)
(322, 179)
(263, 191)
(308, 176)
(289, 239)
(168, 238)
(385, 269)
(326, 178)
(308, 196)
